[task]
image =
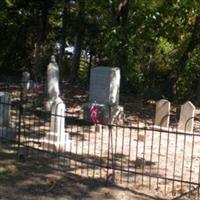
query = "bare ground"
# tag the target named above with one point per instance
(34, 180)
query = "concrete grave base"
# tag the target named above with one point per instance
(106, 113)
(53, 142)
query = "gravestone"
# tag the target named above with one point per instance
(104, 94)
(162, 113)
(6, 131)
(25, 82)
(186, 120)
(57, 138)
(104, 85)
(58, 117)
(52, 82)
(5, 105)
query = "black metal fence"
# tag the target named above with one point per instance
(163, 163)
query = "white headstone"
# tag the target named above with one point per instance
(53, 79)
(104, 85)
(162, 113)
(58, 116)
(57, 126)
(4, 108)
(186, 121)
(26, 79)
(25, 82)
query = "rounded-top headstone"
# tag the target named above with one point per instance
(162, 113)
(186, 121)
(58, 116)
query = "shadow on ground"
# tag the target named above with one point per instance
(33, 179)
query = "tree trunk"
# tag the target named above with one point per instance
(63, 40)
(78, 43)
(193, 42)
(39, 44)
(122, 19)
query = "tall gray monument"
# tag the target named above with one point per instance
(104, 94)
(104, 85)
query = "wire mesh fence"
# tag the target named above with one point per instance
(164, 163)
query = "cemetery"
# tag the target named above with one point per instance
(158, 155)
(99, 100)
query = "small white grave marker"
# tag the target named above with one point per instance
(25, 82)
(162, 113)
(58, 117)
(57, 126)
(186, 121)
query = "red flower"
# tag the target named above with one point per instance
(94, 114)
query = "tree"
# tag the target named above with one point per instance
(78, 42)
(41, 22)
(194, 41)
(65, 17)
(122, 53)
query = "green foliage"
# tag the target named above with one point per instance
(188, 84)
(146, 45)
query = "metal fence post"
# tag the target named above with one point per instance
(20, 116)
